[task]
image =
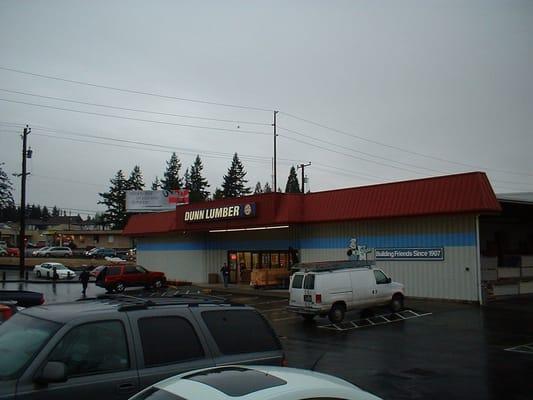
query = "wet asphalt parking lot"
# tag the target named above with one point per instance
(448, 351)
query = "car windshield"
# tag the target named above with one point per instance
(21, 338)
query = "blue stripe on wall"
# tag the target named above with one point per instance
(425, 240)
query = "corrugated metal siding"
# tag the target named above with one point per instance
(446, 279)
(180, 257)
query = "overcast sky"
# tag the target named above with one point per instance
(418, 88)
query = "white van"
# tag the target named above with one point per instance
(334, 288)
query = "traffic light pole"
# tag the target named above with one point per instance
(22, 234)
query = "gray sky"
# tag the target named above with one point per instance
(448, 80)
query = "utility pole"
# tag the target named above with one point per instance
(275, 188)
(22, 234)
(302, 166)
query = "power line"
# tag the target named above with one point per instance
(348, 154)
(67, 180)
(213, 103)
(360, 152)
(401, 148)
(136, 109)
(240, 131)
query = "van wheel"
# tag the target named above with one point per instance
(119, 287)
(396, 303)
(308, 317)
(336, 314)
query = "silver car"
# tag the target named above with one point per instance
(57, 252)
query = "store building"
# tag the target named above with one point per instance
(424, 233)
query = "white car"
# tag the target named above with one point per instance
(46, 270)
(253, 382)
(333, 288)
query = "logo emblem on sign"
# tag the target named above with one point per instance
(247, 209)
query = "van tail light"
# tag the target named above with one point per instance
(318, 298)
(41, 300)
(284, 362)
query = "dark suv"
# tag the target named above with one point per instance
(118, 277)
(114, 346)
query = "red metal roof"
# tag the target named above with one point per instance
(451, 194)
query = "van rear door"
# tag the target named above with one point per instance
(296, 291)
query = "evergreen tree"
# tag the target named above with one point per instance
(187, 179)
(115, 201)
(99, 220)
(156, 184)
(6, 187)
(171, 178)
(56, 212)
(258, 189)
(45, 214)
(292, 186)
(219, 194)
(135, 181)
(234, 182)
(267, 188)
(8, 210)
(35, 211)
(198, 184)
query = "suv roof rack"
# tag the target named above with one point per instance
(129, 303)
(325, 266)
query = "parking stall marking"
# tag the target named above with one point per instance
(524, 348)
(375, 320)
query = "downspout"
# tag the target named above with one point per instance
(478, 263)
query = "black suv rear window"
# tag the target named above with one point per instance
(235, 381)
(167, 340)
(240, 331)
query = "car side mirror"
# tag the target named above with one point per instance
(53, 372)
(389, 280)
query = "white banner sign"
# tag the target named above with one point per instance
(155, 200)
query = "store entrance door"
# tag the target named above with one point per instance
(242, 263)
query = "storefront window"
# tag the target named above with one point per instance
(274, 258)
(265, 260)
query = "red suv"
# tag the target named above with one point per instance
(118, 277)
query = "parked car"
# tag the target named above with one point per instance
(22, 298)
(110, 348)
(39, 252)
(334, 288)
(118, 277)
(57, 252)
(101, 252)
(235, 382)
(46, 270)
(9, 251)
